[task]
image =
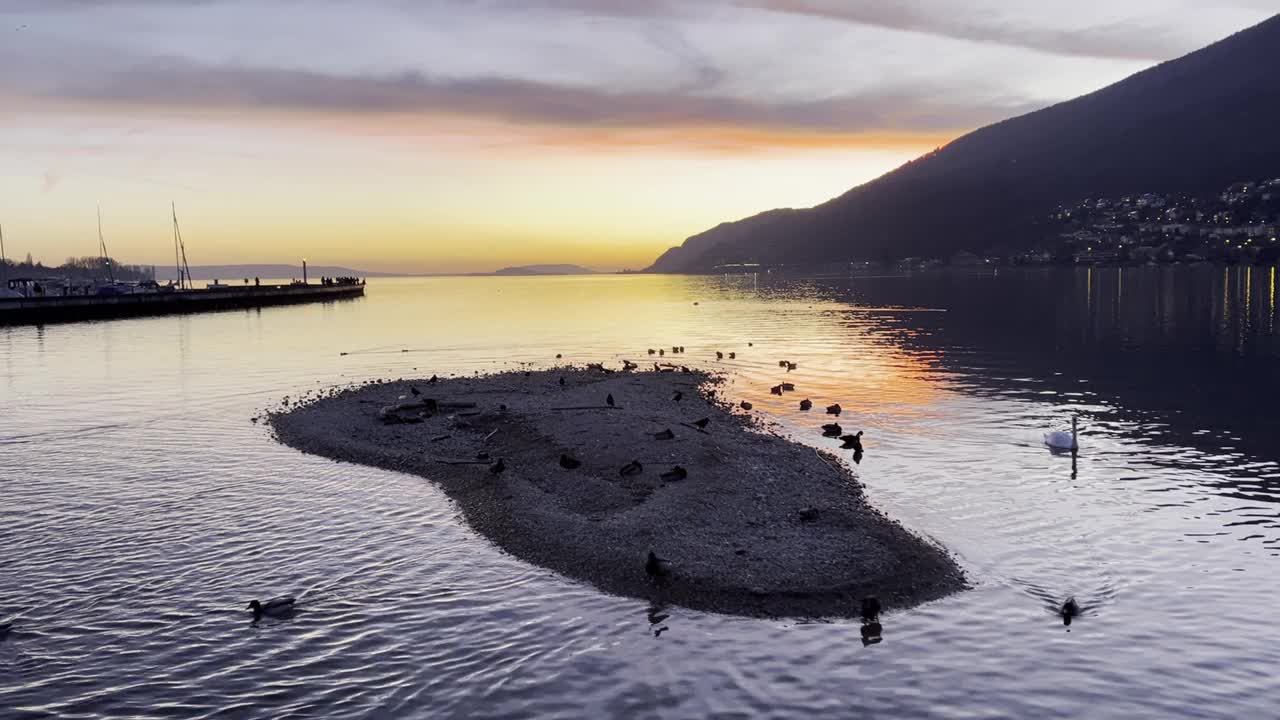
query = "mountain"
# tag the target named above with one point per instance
(545, 270)
(230, 273)
(1194, 125)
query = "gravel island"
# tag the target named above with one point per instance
(587, 471)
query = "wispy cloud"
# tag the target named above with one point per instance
(1121, 41)
(173, 82)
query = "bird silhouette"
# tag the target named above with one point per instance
(746, 405)
(434, 379)
(664, 435)
(831, 430)
(834, 409)
(632, 468)
(733, 356)
(1070, 610)
(609, 400)
(791, 366)
(678, 396)
(657, 567)
(415, 391)
(652, 351)
(719, 355)
(569, 463)
(562, 380)
(558, 356)
(498, 468)
(702, 423)
(662, 352)
(870, 608)
(675, 473)
(852, 442)
(275, 607)
(776, 390)
(782, 363)
(788, 387)
(806, 404)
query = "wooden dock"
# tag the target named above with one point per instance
(40, 310)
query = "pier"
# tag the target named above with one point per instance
(40, 310)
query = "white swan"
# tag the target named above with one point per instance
(1058, 440)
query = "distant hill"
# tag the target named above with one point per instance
(1195, 125)
(545, 270)
(231, 273)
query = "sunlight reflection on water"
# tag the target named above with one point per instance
(143, 508)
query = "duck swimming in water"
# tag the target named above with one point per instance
(1070, 609)
(806, 404)
(832, 430)
(852, 442)
(719, 355)
(275, 607)
(746, 405)
(834, 409)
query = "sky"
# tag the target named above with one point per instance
(444, 136)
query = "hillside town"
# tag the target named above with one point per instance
(1236, 226)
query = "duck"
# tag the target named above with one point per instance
(562, 380)
(1058, 440)
(788, 387)
(852, 442)
(675, 348)
(675, 473)
(652, 351)
(806, 404)
(791, 366)
(678, 396)
(275, 607)
(1070, 609)
(870, 608)
(559, 355)
(719, 355)
(609, 400)
(416, 392)
(776, 390)
(746, 405)
(782, 363)
(568, 462)
(632, 468)
(832, 430)
(662, 352)
(733, 356)
(656, 567)
(834, 409)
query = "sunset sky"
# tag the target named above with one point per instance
(464, 135)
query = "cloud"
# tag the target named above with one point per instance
(1127, 41)
(172, 82)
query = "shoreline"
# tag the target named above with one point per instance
(761, 526)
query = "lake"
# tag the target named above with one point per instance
(143, 509)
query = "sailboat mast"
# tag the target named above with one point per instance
(4, 264)
(177, 263)
(181, 248)
(102, 249)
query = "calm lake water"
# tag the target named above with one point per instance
(142, 509)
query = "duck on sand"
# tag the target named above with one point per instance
(731, 527)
